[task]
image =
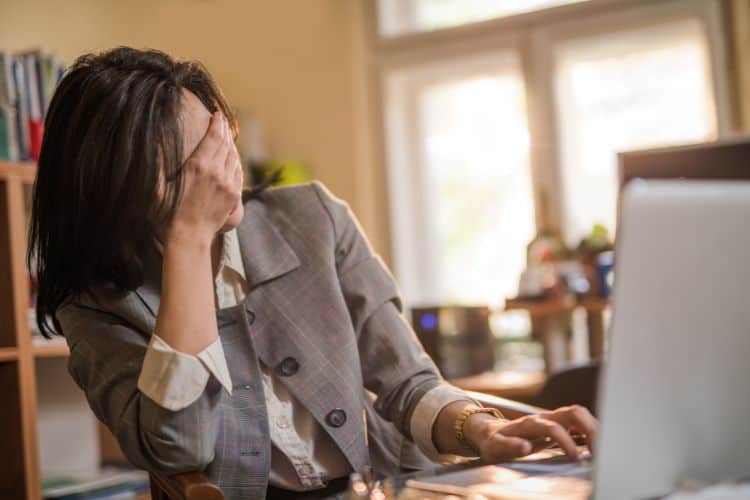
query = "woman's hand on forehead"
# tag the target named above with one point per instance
(212, 182)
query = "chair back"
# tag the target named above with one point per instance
(574, 385)
(185, 486)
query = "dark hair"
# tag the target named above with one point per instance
(112, 125)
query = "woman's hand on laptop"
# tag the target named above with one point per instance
(499, 440)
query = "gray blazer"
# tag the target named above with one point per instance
(322, 310)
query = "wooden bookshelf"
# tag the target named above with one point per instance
(18, 417)
(26, 358)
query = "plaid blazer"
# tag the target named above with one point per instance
(322, 310)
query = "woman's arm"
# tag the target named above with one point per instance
(396, 368)
(106, 356)
(187, 314)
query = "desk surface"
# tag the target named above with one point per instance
(564, 476)
(505, 384)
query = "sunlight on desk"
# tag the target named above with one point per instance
(511, 384)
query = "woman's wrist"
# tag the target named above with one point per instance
(181, 235)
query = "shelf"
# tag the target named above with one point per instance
(556, 306)
(8, 354)
(55, 348)
(26, 171)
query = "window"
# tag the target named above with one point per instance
(491, 133)
(630, 90)
(471, 175)
(404, 16)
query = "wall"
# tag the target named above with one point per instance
(741, 24)
(291, 63)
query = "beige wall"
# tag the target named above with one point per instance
(291, 63)
(742, 53)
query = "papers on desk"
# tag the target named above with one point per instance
(716, 492)
(541, 476)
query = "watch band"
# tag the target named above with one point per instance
(458, 425)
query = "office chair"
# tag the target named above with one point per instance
(574, 385)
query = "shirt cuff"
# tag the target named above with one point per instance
(425, 414)
(174, 380)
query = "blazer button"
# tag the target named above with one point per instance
(250, 316)
(336, 418)
(288, 367)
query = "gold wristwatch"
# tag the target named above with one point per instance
(458, 425)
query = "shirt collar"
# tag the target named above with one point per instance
(231, 257)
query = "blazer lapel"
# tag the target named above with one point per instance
(265, 253)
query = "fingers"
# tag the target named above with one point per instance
(232, 166)
(576, 418)
(233, 169)
(212, 140)
(559, 435)
(537, 429)
(221, 153)
(527, 434)
(500, 448)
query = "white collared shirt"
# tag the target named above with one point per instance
(303, 455)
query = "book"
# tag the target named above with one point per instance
(8, 139)
(27, 83)
(5, 125)
(108, 482)
(22, 108)
(11, 132)
(7, 89)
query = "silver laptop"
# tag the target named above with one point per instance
(675, 402)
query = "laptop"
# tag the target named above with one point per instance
(675, 392)
(675, 401)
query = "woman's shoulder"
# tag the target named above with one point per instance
(295, 194)
(310, 202)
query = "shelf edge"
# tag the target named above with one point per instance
(8, 354)
(26, 171)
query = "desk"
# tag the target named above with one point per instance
(554, 457)
(516, 385)
(550, 318)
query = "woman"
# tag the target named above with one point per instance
(263, 341)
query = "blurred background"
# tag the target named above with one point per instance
(476, 140)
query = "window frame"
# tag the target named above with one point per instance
(533, 36)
